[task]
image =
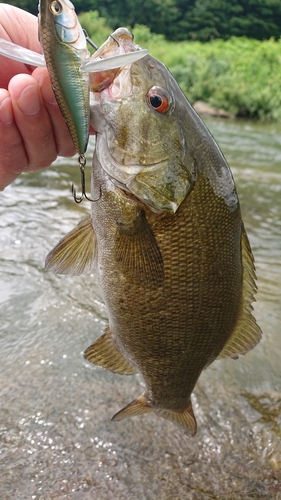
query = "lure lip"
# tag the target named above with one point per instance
(113, 62)
(27, 56)
(21, 54)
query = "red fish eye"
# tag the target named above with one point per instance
(158, 100)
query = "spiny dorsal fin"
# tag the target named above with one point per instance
(104, 353)
(184, 419)
(137, 252)
(247, 333)
(76, 253)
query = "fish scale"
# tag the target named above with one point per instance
(163, 337)
(172, 256)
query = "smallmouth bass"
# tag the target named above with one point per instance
(167, 239)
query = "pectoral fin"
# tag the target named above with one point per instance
(137, 252)
(104, 353)
(246, 333)
(76, 253)
(184, 419)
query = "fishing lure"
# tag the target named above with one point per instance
(65, 53)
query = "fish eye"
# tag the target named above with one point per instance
(55, 7)
(159, 99)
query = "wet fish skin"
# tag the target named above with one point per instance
(168, 322)
(65, 50)
(173, 258)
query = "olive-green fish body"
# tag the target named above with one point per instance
(65, 50)
(166, 234)
(172, 287)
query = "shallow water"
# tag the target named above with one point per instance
(57, 440)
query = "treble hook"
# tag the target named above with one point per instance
(115, 40)
(81, 158)
(82, 163)
(89, 40)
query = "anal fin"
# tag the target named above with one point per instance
(104, 353)
(184, 419)
(76, 253)
(137, 407)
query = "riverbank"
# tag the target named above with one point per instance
(241, 76)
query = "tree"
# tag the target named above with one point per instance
(187, 19)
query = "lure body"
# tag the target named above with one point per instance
(65, 50)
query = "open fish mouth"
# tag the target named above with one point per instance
(118, 47)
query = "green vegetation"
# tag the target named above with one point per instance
(230, 71)
(95, 26)
(186, 19)
(240, 75)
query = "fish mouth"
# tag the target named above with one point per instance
(119, 43)
(157, 177)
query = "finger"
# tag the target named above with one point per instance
(13, 158)
(33, 122)
(21, 28)
(9, 68)
(62, 136)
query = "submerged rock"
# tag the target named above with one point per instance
(203, 108)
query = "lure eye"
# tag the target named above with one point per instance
(55, 7)
(159, 99)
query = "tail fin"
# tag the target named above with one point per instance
(185, 419)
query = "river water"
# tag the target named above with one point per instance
(57, 440)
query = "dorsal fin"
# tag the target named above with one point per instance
(246, 333)
(104, 353)
(184, 419)
(76, 253)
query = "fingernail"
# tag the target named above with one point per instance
(29, 101)
(47, 91)
(6, 111)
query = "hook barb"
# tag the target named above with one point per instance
(78, 199)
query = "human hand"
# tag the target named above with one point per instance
(32, 130)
